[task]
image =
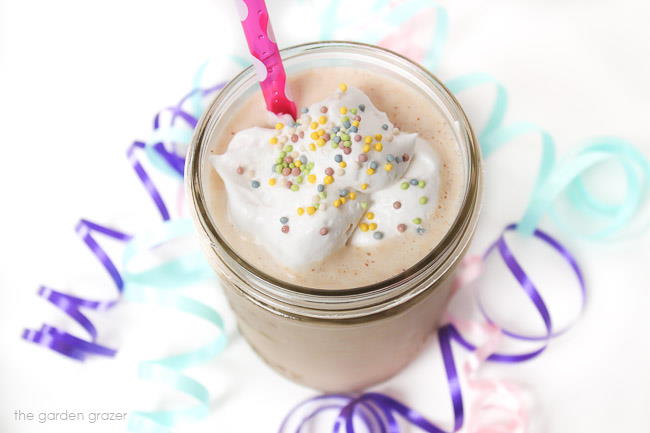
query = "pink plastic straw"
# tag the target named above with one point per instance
(266, 56)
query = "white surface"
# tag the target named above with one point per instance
(81, 79)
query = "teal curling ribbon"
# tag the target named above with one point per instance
(159, 285)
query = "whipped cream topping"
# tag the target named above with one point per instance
(341, 173)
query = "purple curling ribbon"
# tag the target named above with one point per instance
(388, 409)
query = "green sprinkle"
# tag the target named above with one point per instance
(322, 194)
(288, 148)
(294, 187)
(292, 165)
(364, 205)
(310, 165)
(347, 143)
(316, 205)
(334, 145)
(421, 184)
(353, 110)
(344, 119)
(285, 165)
(282, 154)
(299, 179)
(278, 160)
(423, 200)
(417, 220)
(404, 185)
(345, 137)
(278, 169)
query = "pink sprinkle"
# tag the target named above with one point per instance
(405, 157)
(341, 146)
(286, 171)
(324, 231)
(302, 134)
(288, 160)
(326, 137)
(329, 171)
(363, 157)
(357, 118)
(295, 171)
(357, 138)
(323, 109)
(288, 184)
(240, 170)
(397, 205)
(401, 228)
(285, 229)
(294, 138)
(347, 150)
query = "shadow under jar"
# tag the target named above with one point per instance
(348, 338)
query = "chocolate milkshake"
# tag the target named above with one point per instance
(336, 232)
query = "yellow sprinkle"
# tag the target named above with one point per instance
(370, 215)
(343, 200)
(313, 125)
(312, 146)
(352, 195)
(314, 135)
(322, 120)
(328, 180)
(343, 110)
(311, 178)
(337, 202)
(367, 140)
(279, 126)
(320, 142)
(297, 163)
(378, 137)
(273, 140)
(372, 226)
(321, 132)
(363, 227)
(343, 87)
(364, 186)
(311, 210)
(379, 147)
(355, 123)
(388, 167)
(370, 171)
(342, 164)
(300, 211)
(272, 181)
(366, 148)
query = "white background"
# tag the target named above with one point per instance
(81, 79)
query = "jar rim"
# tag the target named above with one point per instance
(283, 291)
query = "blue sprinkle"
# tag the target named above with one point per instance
(336, 129)
(343, 192)
(305, 110)
(373, 165)
(255, 184)
(420, 230)
(320, 188)
(338, 158)
(413, 181)
(362, 107)
(384, 127)
(378, 235)
(398, 159)
(353, 129)
(303, 159)
(346, 124)
(390, 158)
(284, 220)
(336, 139)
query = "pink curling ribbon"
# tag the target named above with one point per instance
(266, 56)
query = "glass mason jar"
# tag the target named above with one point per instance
(345, 339)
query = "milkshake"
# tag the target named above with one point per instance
(335, 234)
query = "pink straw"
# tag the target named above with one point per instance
(266, 56)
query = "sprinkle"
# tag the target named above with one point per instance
(303, 159)
(370, 215)
(323, 109)
(353, 110)
(347, 124)
(255, 184)
(343, 164)
(336, 129)
(297, 163)
(329, 171)
(324, 231)
(384, 127)
(336, 139)
(294, 138)
(357, 137)
(347, 150)
(322, 194)
(364, 186)
(301, 134)
(413, 181)
(343, 200)
(312, 146)
(343, 192)
(363, 227)
(352, 195)
(362, 107)
(421, 184)
(272, 181)
(343, 87)
(363, 157)
(355, 123)
(388, 167)
(417, 220)
(378, 137)
(320, 187)
(320, 142)
(390, 158)
(314, 135)
(397, 205)
(401, 228)
(337, 202)
(343, 110)
(405, 157)
(311, 210)
(423, 200)
(322, 120)
(240, 170)
(367, 140)
(328, 180)
(373, 165)
(279, 125)
(284, 220)
(311, 178)
(338, 158)
(294, 187)
(378, 235)
(313, 125)
(370, 171)
(273, 140)
(320, 132)
(420, 230)
(299, 179)
(379, 147)
(340, 172)
(404, 185)
(326, 137)
(285, 229)
(296, 171)
(364, 205)
(300, 211)
(398, 159)
(278, 169)
(366, 148)
(304, 110)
